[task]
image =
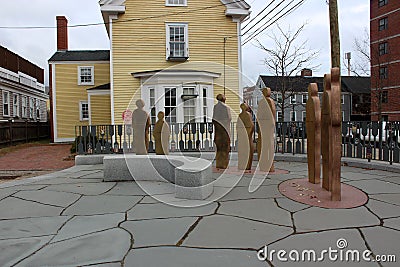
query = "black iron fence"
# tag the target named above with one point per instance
(365, 140)
(12, 132)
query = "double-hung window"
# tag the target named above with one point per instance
(293, 99)
(382, 2)
(170, 105)
(85, 75)
(153, 116)
(31, 107)
(177, 41)
(383, 24)
(38, 109)
(6, 103)
(84, 110)
(24, 102)
(189, 106)
(16, 105)
(383, 48)
(304, 98)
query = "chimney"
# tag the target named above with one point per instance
(62, 33)
(306, 73)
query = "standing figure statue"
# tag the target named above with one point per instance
(266, 128)
(245, 129)
(222, 123)
(161, 135)
(313, 127)
(140, 125)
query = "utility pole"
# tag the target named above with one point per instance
(335, 38)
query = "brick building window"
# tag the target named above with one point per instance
(385, 97)
(382, 2)
(383, 24)
(383, 48)
(383, 73)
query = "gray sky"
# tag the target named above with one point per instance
(37, 45)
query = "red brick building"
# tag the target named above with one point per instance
(385, 59)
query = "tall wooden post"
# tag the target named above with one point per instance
(334, 29)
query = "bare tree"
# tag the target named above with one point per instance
(369, 63)
(285, 60)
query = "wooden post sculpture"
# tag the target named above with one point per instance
(336, 137)
(313, 126)
(326, 123)
(140, 124)
(161, 135)
(222, 123)
(266, 127)
(245, 129)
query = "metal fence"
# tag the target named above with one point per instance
(17, 132)
(365, 140)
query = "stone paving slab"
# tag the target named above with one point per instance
(92, 205)
(83, 188)
(13, 208)
(60, 199)
(264, 210)
(162, 211)
(106, 246)
(389, 198)
(376, 186)
(290, 205)
(383, 241)
(184, 257)
(238, 193)
(318, 242)
(317, 219)
(15, 250)
(31, 227)
(383, 210)
(83, 225)
(392, 223)
(221, 231)
(158, 232)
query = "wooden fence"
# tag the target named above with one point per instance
(19, 132)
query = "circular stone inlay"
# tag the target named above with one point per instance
(302, 191)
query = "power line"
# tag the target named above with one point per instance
(283, 15)
(120, 21)
(265, 16)
(258, 14)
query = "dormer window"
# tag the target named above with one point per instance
(177, 42)
(176, 2)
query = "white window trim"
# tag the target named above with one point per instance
(8, 103)
(304, 115)
(80, 110)
(79, 75)
(16, 108)
(167, 25)
(302, 98)
(31, 107)
(277, 115)
(293, 99)
(168, 4)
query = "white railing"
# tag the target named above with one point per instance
(22, 78)
(7, 74)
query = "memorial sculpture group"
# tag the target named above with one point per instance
(328, 121)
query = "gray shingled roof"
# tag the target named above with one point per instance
(81, 55)
(351, 84)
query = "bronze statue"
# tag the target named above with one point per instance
(266, 128)
(161, 135)
(313, 127)
(140, 125)
(245, 129)
(222, 123)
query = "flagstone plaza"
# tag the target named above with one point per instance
(72, 218)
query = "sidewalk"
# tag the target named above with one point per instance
(72, 218)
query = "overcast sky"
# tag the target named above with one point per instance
(37, 45)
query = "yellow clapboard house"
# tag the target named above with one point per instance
(176, 55)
